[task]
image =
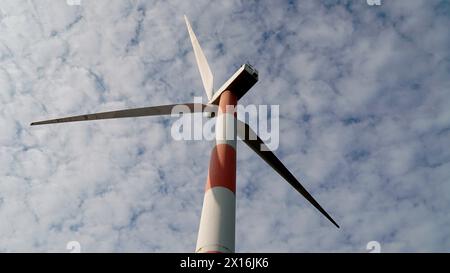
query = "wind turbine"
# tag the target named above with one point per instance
(217, 223)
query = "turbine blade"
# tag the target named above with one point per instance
(129, 113)
(202, 63)
(257, 145)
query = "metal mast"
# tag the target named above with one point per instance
(217, 223)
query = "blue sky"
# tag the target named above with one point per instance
(364, 95)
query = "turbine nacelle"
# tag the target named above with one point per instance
(241, 81)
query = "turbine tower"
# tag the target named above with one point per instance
(217, 223)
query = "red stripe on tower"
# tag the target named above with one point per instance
(222, 168)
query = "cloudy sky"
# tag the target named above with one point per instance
(364, 95)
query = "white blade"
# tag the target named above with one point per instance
(202, 63)
(130, 113)
(257, 145)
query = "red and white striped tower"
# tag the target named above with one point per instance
(217, 223)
